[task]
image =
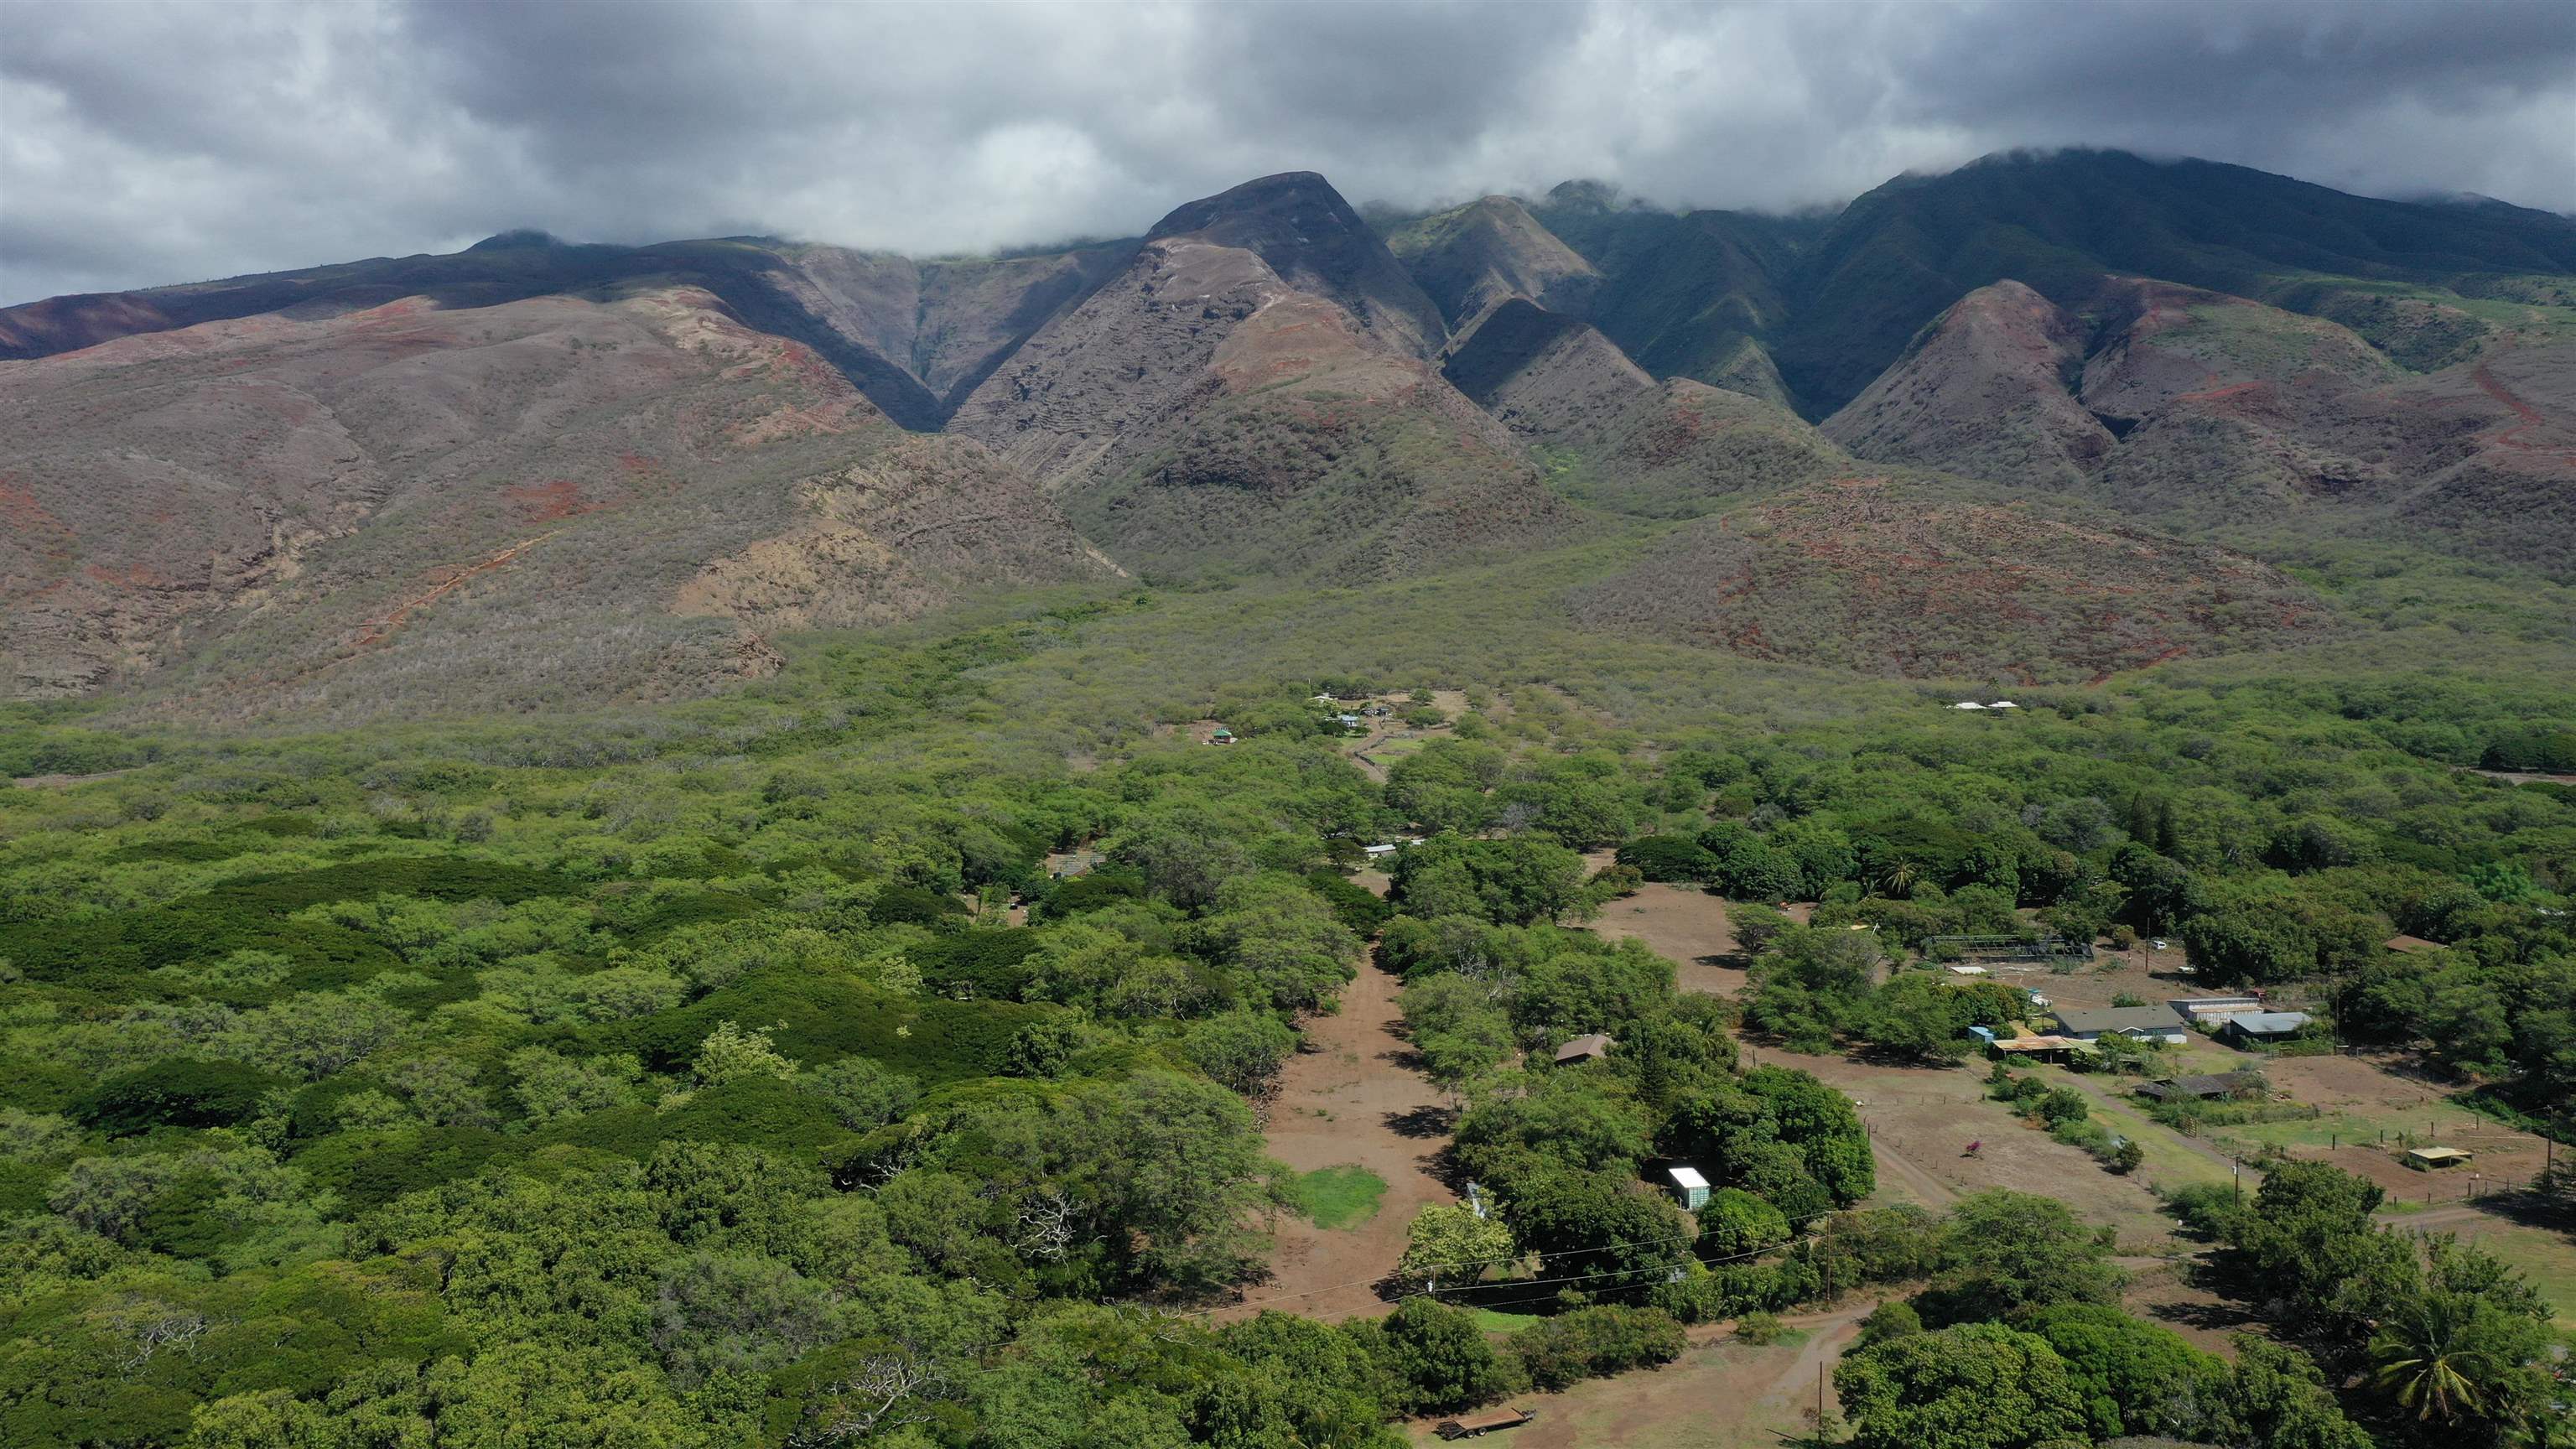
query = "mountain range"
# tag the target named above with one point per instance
(2045, 416)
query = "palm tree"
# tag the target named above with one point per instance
(2430, 1360)
(1898, 878)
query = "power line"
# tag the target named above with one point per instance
(1480, 1263)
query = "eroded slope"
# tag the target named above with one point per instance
(424, 507)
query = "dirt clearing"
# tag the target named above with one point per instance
(1686, 926)
(1720, 1394)
(1352, 1099)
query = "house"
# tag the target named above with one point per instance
(2209, 1011)
(2144, 1023)
(2430, 1159)
(2254, 1028)
(2203, 1088)
(1967, 970)
(1347, 721)
(1591, 1046)
(1967, 704)
(1690, 1189)
(1223, 736)
(1377, 852)
(2003, 704)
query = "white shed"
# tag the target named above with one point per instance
(1690, 1189)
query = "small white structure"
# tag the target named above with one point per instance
(1967, 704)
(1375, 852)
(1967, 970)
(2003, 704)
(1689, 1188)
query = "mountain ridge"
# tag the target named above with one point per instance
(410, 479)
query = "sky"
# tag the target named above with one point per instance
(149, 143)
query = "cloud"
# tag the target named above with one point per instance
(144, 143)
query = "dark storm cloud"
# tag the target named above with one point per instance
(144, 143)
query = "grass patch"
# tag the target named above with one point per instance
(2430, 1122)
(1340, 1197)
(1492, 1320)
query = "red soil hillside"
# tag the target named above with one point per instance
(1545, 375)
(422, 508)
(1251, 395)
(1983, 391)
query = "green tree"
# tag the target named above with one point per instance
(1284, 939)
(730, 1054)
(1437, 1358)
(1976, 1386)
(2135, 1377)
(863, 1093)
(1448, 1242)
(1734, 1222)
(2463, 1361)
(1243, 1049)
(2005, 1250)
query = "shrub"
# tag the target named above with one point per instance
(1596, 1343)
(1668, 858)
(1358, 907)
(181, 1093)
(1759, 1328)
(914, 906)
(2063, 1104)
(1436, 1358)
(2205, 1208)
(1893, 1319)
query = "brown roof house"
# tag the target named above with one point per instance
(1590, 1046)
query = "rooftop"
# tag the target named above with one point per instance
(2268, 1023)
(2118, 1018)
(1590, 1044)
(1686, 1176)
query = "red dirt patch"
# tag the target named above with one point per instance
(382, 629)
(550, 501)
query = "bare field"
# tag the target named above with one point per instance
(1683, 924)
